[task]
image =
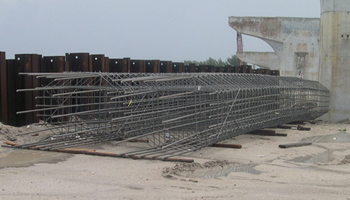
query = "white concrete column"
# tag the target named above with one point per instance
(334, 70)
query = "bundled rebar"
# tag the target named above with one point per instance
(176, 113)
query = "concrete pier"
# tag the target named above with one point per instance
(267, 60)
(334, 70)
(294, 40)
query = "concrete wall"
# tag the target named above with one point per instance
(334, 70)
(294, 40)
(267, 60)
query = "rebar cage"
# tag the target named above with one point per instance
(176, 113)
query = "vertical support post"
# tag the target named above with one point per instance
(227, 69)
(23, 100)
(235, 69)
(200, 68)
(209, 68)
(3, 88)
(126, 65)
(66, 65)
(219, 69)
(246, 69)
(53, 64)
(165, 67)
(98, 63)
(106, 67)
(275, 72)
(11, 92)
(115, 65)
(190, 68)
(28, 83)
(35, 67)
(137, 66)
(79, 62)
(267, 71)
(178, 67)
(119, 65)
(152, 66)
(264, 71)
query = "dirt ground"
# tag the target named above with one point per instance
(260, 170)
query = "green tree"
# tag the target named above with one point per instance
(188, 62)
(233, 61)
(220, 62)
(211, 61)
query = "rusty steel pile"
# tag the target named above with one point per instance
(176, 113)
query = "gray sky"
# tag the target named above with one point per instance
(174, 30)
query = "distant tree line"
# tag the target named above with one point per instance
(233, 61)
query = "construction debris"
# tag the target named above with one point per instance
(299, 144)
(233, 146)
(267, 133)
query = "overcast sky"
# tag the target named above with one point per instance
(174, 30)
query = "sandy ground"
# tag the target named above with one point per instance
(260, 170)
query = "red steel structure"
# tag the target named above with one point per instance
(239, 46)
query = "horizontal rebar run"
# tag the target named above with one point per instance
(175, 113)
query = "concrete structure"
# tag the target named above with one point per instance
(334, 70)
(267, 60)
(311, 48)
(294, 40)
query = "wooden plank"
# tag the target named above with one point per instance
(302, 128)
(11, 143)
(299, 144)
(297, 123)
(284, 127)
(108, 154)
(267, 133)
(233, 146)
